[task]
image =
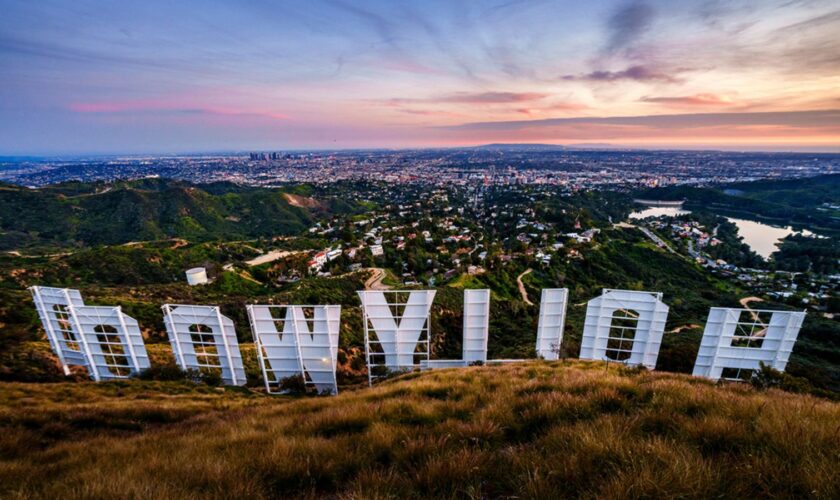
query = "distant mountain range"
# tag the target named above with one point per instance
(542, 147)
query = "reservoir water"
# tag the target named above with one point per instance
(658, 212)
(761, 237)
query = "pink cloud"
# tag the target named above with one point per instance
(470, 98)
(692, 100)
(644, 133)
(491, 97)
(427, 112)
(559, 106)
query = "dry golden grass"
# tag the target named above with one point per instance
(534, 430)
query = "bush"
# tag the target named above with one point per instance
(213, 378)
(171, 372)
(631, 370)
(357, 363)
(293, 384)
(168, 372)
(767, 377)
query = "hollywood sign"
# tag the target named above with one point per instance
(296, 340)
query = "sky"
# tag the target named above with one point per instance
(84, 77)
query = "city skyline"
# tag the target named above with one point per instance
(90, 77)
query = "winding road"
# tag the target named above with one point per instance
(375, 280)
(522, 287)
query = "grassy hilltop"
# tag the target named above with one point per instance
(75, 215)
(537, 430)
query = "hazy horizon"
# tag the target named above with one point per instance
(595, 146)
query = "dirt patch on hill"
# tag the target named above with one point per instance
(301, 201)
(690, 326)
(745, 302)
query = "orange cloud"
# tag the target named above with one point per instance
(692, 100)
(558, 106)
(819, 129)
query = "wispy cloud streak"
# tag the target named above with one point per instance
(639, 73)
(627, 24)
(820, 118)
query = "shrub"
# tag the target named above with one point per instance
(767, 377)
(357, 363)
(293, 384)
(168, 372)
(213, 378)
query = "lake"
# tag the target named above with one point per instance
(658, 212)
(761, 237)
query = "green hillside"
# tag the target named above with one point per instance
(532, 430)
(77, 215)
(141, 278)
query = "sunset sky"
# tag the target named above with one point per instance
(152, 76)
